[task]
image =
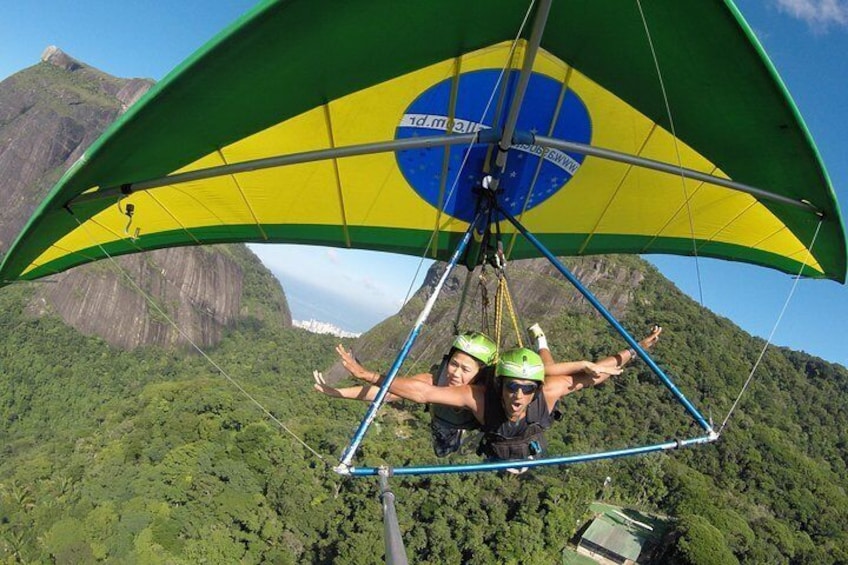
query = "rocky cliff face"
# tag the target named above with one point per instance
(143, 300)
(49, 115)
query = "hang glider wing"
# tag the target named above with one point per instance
(369, 124)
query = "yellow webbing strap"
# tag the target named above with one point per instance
(504, 297)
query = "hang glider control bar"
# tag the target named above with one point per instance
(486, 466)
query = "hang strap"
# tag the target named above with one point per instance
(504, 298)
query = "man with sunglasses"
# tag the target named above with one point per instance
(517, 412)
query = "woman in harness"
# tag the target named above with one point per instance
(465, 363)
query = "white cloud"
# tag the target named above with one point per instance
(333, 256)
(818, 14)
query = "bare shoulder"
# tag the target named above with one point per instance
(477, 390)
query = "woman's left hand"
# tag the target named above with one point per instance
(322, 386)
(350, 363)
(594, 370)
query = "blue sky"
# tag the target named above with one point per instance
(806, 39)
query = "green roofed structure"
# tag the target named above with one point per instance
(613, 541)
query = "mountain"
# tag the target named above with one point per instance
(49, 114)
(154, 456)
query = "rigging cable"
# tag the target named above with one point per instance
(686, 198)
(461, 307)
(188, 338)
(692, 229)
(774, 329)
(482, 281)
(503, 296)
(484, 251)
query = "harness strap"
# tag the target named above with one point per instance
(530, 443)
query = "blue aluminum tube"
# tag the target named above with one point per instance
(350, 451)
(613, 322)
(550, 461)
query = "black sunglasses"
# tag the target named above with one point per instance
(514, 387)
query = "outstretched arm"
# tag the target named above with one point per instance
(624, 357)
(574, 368)
(412, 389)
(604, 366)
(560, 384)
(365, 393)
(557, 386)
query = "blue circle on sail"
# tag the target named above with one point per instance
(449, 174)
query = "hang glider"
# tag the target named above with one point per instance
(602, 127)
(371, 124)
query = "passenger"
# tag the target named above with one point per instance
(465, 363)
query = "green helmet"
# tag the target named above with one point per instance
(521, 363)
(477, 345)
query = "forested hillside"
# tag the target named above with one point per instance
(152, 456)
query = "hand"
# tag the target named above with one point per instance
(652, 338)
(594, 370)
(350, 363)
(322, 386)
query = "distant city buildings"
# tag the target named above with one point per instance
(317, 327)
